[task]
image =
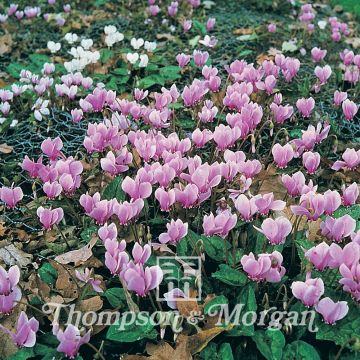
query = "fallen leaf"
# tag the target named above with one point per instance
(78, 256)
(243, 31)
(196, 343)
(6, 149)
(354, 42)
(262, 57)
(5, 43)
(94, 303)
(11, 255)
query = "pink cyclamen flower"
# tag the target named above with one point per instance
(282, 155)
(116, 259)
(76, 115)
(116, 165)
(281, 112)
(339, 97)
(311, 161)
(187, 196)
(268, 267)
(9, 279)
(267, 85)
(350, 194)
(26, 329)
(52, 189)
(351, 160)
(312, 205)
(141, 254)
(200, 138)
(308, 292)
(172, 296)
(176, 230)
(108, 232)
(210, 24)
(323, 73)
(349, 109)
(187, 24)
(317, 54)
(142, 280)
(10, 293)
(266, 202)
(219, 225)
(332, 311)
(350, 279)
(332, 201)
(200, 57)
(86, 277)
(11, 196)
(271, 28)
(183, 59)
(49, 217)
(276, 230)
(338, 229)
(305, 106)
(294, 184)
(70, 339)
(225, 136)
(165, 198)
(348, 255)
(246, 207)
(52, 148)
(319, 256)
(136, 189)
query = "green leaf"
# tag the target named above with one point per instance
(120, 71)
(270, 343)
(230, 276)
(247, 37)
(300, 350)
(170, 72)
(22, 354)
(288, 46)
(114, 190)
(214, 246)
(39, 59)
(106, 55)
(116, 297)
(245, 52)
(141, 328)
(151, 80)
(247, 297)
(14, 70)
(212, 352)
(200, 27)
(194, 41)
(218, 300)
(87, 233)
(48, 274)
(225, 352)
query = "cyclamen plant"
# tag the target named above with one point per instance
(240, 190)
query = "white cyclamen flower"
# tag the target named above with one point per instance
(144, 59)
(87, 43)
(40, 108)
(110, 29)
(150, 46)
(71, 38)
(132, 57)
(137, 43)
(53, 47)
